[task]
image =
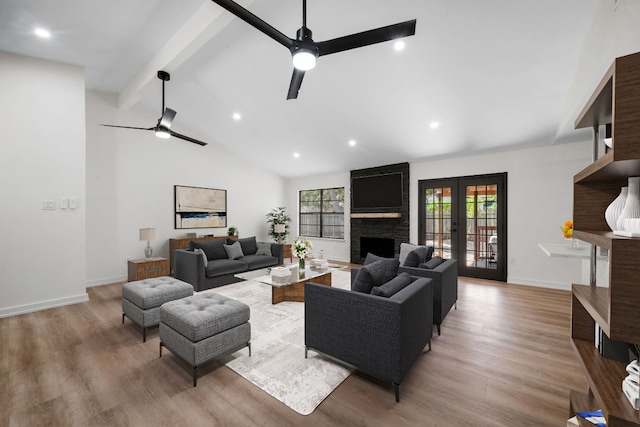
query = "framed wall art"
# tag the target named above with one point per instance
(197, 207)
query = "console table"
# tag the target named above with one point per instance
(183, 243)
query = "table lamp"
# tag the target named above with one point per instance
(147, 234)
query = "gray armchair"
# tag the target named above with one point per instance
(445, 286)
(378, 335)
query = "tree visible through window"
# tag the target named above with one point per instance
(322, 213)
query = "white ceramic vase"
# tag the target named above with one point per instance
(613, 211)
(632, 204)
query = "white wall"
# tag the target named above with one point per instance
(540, 198)
(130, 179)
(42, 157)
(334, 249)
(614, 32)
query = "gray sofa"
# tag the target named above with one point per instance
(382, 336)
(221, 268)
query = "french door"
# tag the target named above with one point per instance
(465, 218)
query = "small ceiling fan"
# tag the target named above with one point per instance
(305, 51)
(162, 129)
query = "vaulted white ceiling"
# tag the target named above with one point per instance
(494, 74)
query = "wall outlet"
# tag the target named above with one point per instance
(48, 205)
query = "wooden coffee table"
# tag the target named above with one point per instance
(293, 291)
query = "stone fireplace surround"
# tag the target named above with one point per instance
(390, 228)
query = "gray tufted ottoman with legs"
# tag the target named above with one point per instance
(204, 327)
(141, 300)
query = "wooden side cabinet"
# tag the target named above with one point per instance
(140, 269)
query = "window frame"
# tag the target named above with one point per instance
(321, 213)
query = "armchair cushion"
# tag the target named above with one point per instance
(234, 251)
(369, 276)
(391, 265)
(214, 249)
(263, 249)
(432, 263)
(416, 257)
(393, 286)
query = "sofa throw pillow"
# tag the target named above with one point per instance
(369, 276)
(391, 265)
(263, 248)
(432, 263)
(405, 248)
(248, 244)
(201, 252)
(429, 253)
(393, 286)
(234, 251)
(416, 257)
(214, 248)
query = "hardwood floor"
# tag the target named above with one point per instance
(503, 359)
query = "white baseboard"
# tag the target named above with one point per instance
(43, 305)
(106, 281)
(540, 284)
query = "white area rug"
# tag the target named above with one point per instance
(277, 364)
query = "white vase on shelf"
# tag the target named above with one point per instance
(613, 211)
(632, 203)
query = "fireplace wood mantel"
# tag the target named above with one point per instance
(377, 215)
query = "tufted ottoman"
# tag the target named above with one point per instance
(204, 327)
(141, 300)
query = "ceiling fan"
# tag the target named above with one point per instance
(305, 51)
(162, 129)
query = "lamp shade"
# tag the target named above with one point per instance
(304, 59)
(147, 234)
(279, 228)
(162, 132)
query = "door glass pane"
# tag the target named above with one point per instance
(438, 220)
(481, 215)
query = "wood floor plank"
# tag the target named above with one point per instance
(503, 359)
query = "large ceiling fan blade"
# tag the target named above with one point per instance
(186, 138)
(296, 81)
(255, 22)
(128, 127)
(167, 118)
(366, 38)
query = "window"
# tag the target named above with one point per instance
(322, 213)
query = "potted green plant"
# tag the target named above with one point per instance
(278, 221)
(233, 231)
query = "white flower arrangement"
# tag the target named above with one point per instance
(301, 248)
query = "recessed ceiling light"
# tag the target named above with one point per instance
(434, 125)
(296, 155)
(352, 142)
(41, 32)
(237, 116)
(399, 45)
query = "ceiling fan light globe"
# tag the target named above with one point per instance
(304, 59)
(162, 133)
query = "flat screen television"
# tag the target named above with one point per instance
(377, 193)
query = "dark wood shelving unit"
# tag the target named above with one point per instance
(616, 309)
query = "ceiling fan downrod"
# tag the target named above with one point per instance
(164, 76)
